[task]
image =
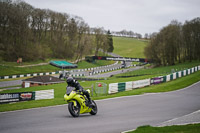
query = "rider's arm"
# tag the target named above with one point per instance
(78, 86)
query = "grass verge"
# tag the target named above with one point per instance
(190, 128)
(60, 89)
(9, 69)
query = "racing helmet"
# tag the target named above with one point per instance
(70, 81)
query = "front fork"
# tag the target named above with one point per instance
(73, 101)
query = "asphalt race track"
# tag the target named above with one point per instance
(100, 75)
(114, 115)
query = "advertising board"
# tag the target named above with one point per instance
(156, 80)
(25, 96)
(16, 97)
(9, 97)
(92, 58)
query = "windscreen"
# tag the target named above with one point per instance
(69, 89)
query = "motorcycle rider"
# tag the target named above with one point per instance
(74, 83)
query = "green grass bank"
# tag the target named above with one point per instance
(190, 128)
(129, 47)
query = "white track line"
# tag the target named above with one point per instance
(164, 123)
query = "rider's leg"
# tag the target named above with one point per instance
(87, 95)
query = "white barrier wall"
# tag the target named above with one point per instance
(179, 74)
(193, 70)
(168, 78)
(184, 72)
(188, 71)
(117, 87)
(129, 85)
(113, 88)
(174, 75)
(44, 94)
(141, 83)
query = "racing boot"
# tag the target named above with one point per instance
(90, 102)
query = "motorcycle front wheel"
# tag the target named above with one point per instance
(74, 110)
(94, 108)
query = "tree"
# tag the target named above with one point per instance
(99, 39)
(33, 33)
(146, 36)
(191, 37)
(110, 41)
(175, 43)
(83, 39)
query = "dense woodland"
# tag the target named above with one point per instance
(36, 34)
(175, 43)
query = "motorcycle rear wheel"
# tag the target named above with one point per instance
(94, 108)
(74, 111)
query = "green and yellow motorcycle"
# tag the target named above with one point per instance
(78, 103)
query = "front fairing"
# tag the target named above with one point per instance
(70, 96)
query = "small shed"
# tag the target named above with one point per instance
(40, 80)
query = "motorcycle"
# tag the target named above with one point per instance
(78, 103)
(64, 74)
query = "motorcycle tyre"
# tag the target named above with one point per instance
(71, 110)
(94, 108)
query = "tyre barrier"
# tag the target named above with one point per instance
(126, 86)
(28, 75)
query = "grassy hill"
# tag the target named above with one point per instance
(129, 47)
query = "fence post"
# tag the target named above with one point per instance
(92, 89)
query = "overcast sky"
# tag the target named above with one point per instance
(141, 16)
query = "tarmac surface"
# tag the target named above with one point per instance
(114, 115)
(10, 83)
(183, 120)
(108, 74)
